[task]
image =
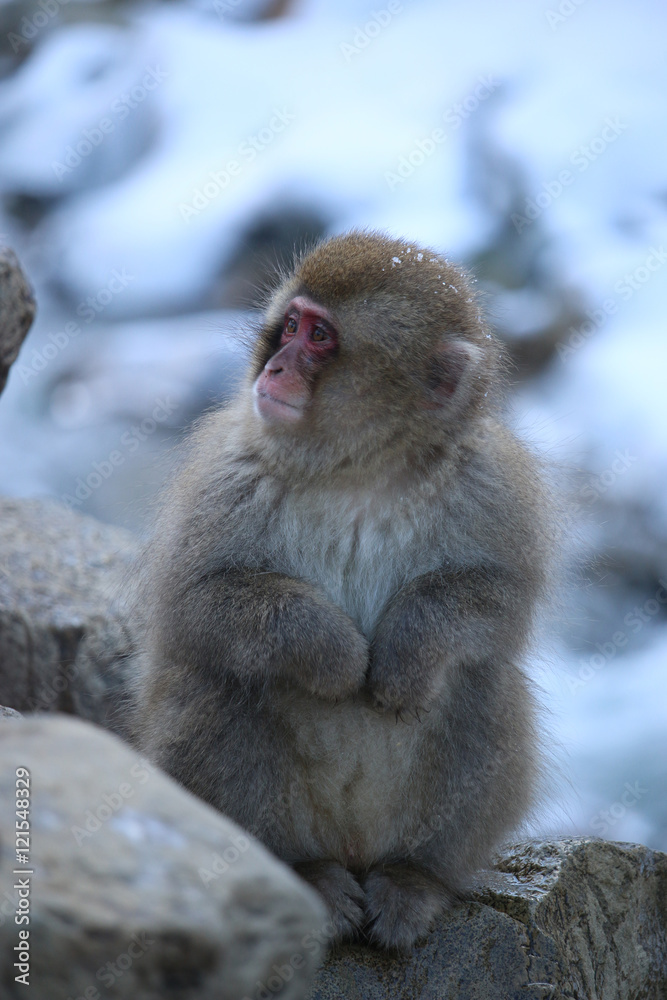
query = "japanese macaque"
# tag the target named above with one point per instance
(340, 588)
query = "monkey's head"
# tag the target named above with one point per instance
(371, 343)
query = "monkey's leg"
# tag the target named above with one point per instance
(402, 901)
(341, 892)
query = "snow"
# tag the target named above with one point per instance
(341, 128)
(608, 733)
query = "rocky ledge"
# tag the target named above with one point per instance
(577, 919)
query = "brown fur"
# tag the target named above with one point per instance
(335, 612)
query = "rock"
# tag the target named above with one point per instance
(62, 647)
(17, 309)
(579, 919)
(9, 713)
(138, 889)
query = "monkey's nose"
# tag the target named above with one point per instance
(272, 367)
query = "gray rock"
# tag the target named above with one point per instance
(139, 890)
(579, 919)
(62, 648)
(17, 309)
(9, 713)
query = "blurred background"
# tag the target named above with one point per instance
(157, 159)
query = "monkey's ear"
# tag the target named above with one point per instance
(452, 371)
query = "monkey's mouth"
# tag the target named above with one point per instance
(274, 410)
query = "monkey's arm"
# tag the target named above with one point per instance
(267, 626)
(440, 622)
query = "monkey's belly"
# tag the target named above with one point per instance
(352, 793)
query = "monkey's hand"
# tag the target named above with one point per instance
(268, 626)
(408, 659)
(435, 625)
(323, 650)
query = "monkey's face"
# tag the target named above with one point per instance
(307, 345)
(370, 343)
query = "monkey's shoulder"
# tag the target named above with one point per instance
(491, 454)
(500, 496)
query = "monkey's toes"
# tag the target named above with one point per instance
(401, 906)
(341, 892)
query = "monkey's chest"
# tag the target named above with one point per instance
(360, 558)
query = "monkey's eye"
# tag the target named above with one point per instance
(318, 335)
(291, 325)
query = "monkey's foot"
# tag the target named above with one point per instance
(402, 902)
(341, 892)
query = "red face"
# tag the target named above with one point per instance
(308, 341)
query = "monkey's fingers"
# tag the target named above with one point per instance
(404, 713)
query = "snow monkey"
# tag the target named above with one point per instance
(340, 587)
